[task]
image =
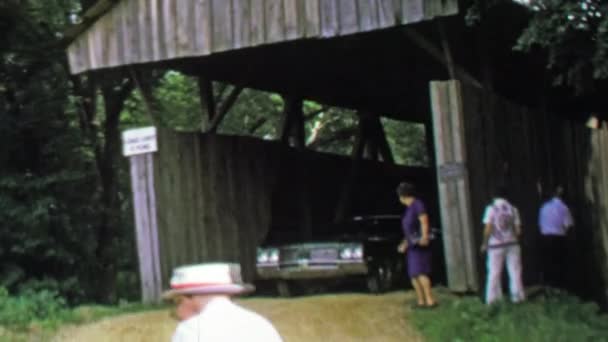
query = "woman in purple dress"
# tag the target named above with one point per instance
(416, 245)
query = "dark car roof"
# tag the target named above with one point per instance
(331, 230)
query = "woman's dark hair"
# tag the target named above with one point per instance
(405, 189)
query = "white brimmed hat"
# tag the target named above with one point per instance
(212, 278)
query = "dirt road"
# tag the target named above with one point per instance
(327, 318)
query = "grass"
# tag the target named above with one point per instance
(35, 315)
(556, 317)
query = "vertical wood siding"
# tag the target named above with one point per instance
(454, 195)
(142, 31)
(144, 198)
(217, 196)
(509, 144)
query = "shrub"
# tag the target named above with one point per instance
(43, 308)
(559, 317)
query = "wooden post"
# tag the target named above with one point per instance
(224, 109)
(447, 52)
(378, 134)
(144, 205)
(205, 88)
(292, 131)
(440, 56)
(454, 189)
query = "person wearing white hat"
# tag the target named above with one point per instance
(202, 296)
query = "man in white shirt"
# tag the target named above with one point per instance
(202, 294)
(554, 221)
(502, 229)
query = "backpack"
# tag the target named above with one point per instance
(503, 221)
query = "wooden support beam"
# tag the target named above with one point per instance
(145, 90)
(146, 226)
(225, 108)
(205, 88)
(379, 135)
(436, 53)
(447, 52)
(429, 138)
(292, 131)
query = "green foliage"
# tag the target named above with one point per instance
(45, 227)
(573, 33)
(407, 141)
(42, 308)
(256, 113)
(561, 317)
(36, 314)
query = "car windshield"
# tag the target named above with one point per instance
(383, 226)
(365, 227)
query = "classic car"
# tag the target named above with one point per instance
(364, 248)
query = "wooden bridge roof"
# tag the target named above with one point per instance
(118, 33)
(372, 55)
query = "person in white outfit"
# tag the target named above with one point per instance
(502, 229)
(202, 295)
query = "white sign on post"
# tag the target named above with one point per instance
(139, 141)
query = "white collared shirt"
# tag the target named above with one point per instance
(224, 321)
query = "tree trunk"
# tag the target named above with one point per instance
(106, 148)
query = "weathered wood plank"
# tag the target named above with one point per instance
(431, 7)
(140, 231)
(449, 215)
(132, 32)
(241, 14)
(184, 26)
(199, 198)
(291, 19)
(274, 21)
(145, 37)
(152, 205)
(258, 22)
(329, 18)
(203, 36)
(222, 25)
(464, 208)
(602, 182)
(313, 18)
(411, 11)
(230, 194)
(155, 28)
(368, 15)
(349, 16)
(168, 29)
(386, 13)
(145, 225)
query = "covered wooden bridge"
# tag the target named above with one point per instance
(215, 197)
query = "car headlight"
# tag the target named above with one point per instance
(263, 257)
(358, 253)
(274, 256)
(346, 253)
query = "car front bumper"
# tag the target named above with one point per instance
(310, 271)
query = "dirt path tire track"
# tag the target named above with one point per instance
(327, 318)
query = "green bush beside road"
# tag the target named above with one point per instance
(556, 317)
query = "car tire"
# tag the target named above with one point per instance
(284, 289)
(380, 278)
